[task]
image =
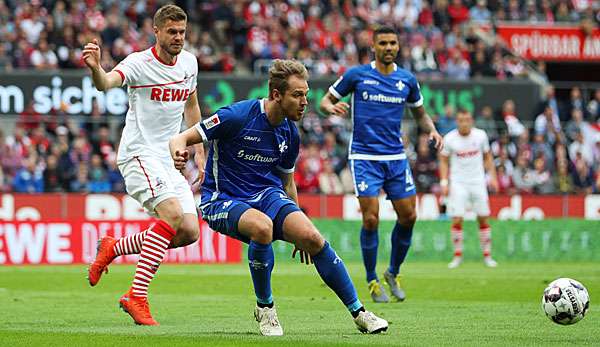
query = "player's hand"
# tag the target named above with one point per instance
(437, 139)
(180, 159)
(304, 256)
(339, 109)
(91, 54)
(199, 159)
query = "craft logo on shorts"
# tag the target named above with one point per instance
(212, 121)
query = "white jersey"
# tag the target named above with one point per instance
(157, 95)
(466, 156)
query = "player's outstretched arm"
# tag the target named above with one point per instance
(178, 146)
(332, 105)
(427, 126)
(102, 80)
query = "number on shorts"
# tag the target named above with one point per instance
(409, 178)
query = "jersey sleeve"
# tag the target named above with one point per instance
(344, 85)
(194, 77)
(415, 98)
(130, 69)
(288, 162)
(224, 124)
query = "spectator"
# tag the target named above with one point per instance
(548, 125)
(115, 179)
(543, 182)
(43, 58)
(329, 182)
(514, 126)
(576, 125)
(593, 107)
(457, 67)
(52, 177)
(98, 180)
(523, 177)
(480, 13)
(505, 183)
(80, 183)
(583, 176)
(579, 147)
(485, 121)
(575, 102)
(30, 178)
(564, 180)
(425, 168)
(446, 121)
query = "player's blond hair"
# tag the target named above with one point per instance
(169, 12)
(280, 71)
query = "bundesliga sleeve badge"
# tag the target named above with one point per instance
(212, 121)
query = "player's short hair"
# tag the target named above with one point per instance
(169, 12)
(384, 29)
(280, 71)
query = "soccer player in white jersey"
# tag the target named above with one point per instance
(161, 86)
(465, 155)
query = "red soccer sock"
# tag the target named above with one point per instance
(485, 239)
(457, 239)
(131, 244)
(153, 251)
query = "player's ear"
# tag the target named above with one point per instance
(155, 29)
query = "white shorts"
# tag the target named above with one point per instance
(151, 180)
(463, 197)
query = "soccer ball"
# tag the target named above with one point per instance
(565, 301)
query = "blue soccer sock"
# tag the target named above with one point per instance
(333, 272)
(261, 261)
(401, 237)
(369, 240)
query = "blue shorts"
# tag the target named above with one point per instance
(222, 213)
(394, 176)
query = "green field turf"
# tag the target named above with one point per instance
(212, 305)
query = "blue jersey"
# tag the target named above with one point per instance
(377, 108)
(247, 153)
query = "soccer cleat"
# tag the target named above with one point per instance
(394, 282)
(268, 323)
(138, 308)
(377, 291)
(456, 261)
(369, 323)
(105, 254)
(489, 262)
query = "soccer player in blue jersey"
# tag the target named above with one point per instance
(380, 92)
(249, 191)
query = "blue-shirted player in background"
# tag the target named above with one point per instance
(249, 191)
(380, 92)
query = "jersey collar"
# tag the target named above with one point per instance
(155, 54)
(375, 66)
(262, 105)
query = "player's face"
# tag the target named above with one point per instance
(171, 36)
(294, 101)
(464, 122)
(386, 48)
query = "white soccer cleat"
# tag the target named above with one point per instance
(369, 323)
(456, 261)
(489, 262)
(268, 323)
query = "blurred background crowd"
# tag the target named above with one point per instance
(235, 36)
(557, 153)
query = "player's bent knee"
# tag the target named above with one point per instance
(313, 242)
(408, 219)
(262, 231)
(371, 221)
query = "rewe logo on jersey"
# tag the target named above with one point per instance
(167, 94)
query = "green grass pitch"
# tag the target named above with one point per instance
(212, 305)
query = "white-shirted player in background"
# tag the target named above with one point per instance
(161, 86)
(467, 150)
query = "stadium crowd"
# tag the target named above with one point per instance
(231, 36)
(558, 153)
